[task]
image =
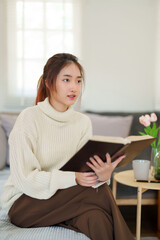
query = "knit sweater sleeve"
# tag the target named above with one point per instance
(27, 175)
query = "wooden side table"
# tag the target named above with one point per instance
(158, 232)
(127, 178)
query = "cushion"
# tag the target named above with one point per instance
(9, 231)
(4, 174)
(7, 122)
(3, 148)
(111, 125)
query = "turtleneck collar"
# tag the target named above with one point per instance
(46, 107)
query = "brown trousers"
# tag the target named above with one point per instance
(83, 209)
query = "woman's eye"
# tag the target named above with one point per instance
(66, 80)
(79, 81)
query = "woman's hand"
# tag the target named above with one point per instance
(103, 170)
(87, 179)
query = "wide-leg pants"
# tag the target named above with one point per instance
(83, 209)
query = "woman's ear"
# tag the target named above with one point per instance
(46, 83)
(48, 86)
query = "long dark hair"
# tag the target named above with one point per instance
(50, 72)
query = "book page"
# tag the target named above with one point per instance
(110, 139)
(139, 138)
(121, 140)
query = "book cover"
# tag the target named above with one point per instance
(115, 146)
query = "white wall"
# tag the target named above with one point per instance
(157, 67)
(1, 61)
(3, 53)
(118, 49)
(120, 53)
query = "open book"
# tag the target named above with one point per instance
(115, 146)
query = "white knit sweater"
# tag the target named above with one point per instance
(41, 142)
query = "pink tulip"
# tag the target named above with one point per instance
(153, 117)
(148, 117)
(144, 121)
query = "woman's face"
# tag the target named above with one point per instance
(67, 88)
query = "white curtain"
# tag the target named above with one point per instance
(157, 67)
(33, 31)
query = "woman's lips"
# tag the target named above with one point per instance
(72, 97)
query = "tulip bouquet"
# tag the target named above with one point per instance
(149, 121)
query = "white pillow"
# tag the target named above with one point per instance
(110, 125)
(7, 122)
(3, 148)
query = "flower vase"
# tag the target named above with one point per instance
(156, 158)
(153, 153)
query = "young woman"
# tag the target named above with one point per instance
(43, 139)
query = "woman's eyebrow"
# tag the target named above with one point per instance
(68, 75)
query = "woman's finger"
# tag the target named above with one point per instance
(99, 160)
(94, 162)
(84, 180)
(90, 177)
(88, 174)
(91, 166)
(108, 158)
(93, 178)
(89, 181)
(118, 160)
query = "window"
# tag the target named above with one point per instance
(36, 30)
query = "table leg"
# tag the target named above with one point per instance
(138, 222)
(158, 232)
(114, 186)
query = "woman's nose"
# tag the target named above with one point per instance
(73, 87)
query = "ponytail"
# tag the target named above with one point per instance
(42, 92)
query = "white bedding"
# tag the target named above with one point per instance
(9, 231)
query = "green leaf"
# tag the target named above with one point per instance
(141, 133)
(155, 133)
(153, 144)
(148, 128)
(154, 126)
(158, 142)
(154, 130)
(147, 131)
